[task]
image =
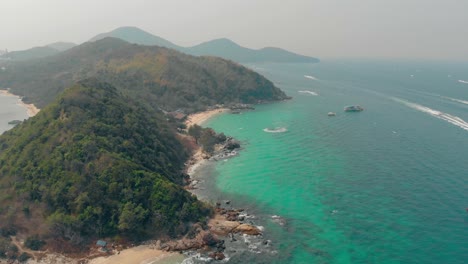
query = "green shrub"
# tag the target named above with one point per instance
(24, 257)
(34, 243)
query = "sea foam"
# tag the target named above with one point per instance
(311, 77)
(275, 130)
(462, 81)
(455, 120)
(308, 92)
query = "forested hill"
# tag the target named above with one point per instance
(160, 77)
(94, 163)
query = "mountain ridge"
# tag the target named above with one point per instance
(221, 47)
(217, 47)
(38, 52)
(137, 35)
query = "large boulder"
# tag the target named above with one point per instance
(248, 230)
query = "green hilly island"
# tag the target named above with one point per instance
(95, 163)
(103, 158)
(159, 77)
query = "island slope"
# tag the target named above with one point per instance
(95, 163)
(159, 77)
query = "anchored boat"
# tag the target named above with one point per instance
(353, 108)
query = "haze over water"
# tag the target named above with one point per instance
(387, 185)
(10, 110)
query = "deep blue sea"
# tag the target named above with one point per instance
(386, 185)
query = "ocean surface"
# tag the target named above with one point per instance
(386, 185)
(10, 110)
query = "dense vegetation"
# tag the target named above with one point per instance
(94, 163)
(159, 77)
(101, 159)
(206, 137)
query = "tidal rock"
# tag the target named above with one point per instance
(248, 230)
(223, 228)
(232, 144)
(217, 255)
(209, 240)
(279, 220)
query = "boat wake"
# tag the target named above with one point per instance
(308, 92)
(444, 97)
(275, 130)
(462, 81)
(310, 77)
(454, 120)
(456, 100)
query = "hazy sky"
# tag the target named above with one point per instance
(322, 28)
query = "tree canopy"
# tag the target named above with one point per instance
(159, 77)
(95, 162)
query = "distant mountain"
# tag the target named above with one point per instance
(230, 50)
(137, 36)
(29, 54)
(224, 48)
(95, 163)
(61, 46)
(37, 52)
(159, 77)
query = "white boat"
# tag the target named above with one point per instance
(353, 108)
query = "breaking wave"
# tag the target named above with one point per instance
(275, 130)
(308, 92)
(454, 120)
(462, 81)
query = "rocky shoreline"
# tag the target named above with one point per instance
(227, 222)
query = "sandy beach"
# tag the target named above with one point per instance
(197, 158)
(31, 109)
(201, 117)
(140, 255)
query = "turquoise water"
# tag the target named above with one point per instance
(387, 185)
(10, 110)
